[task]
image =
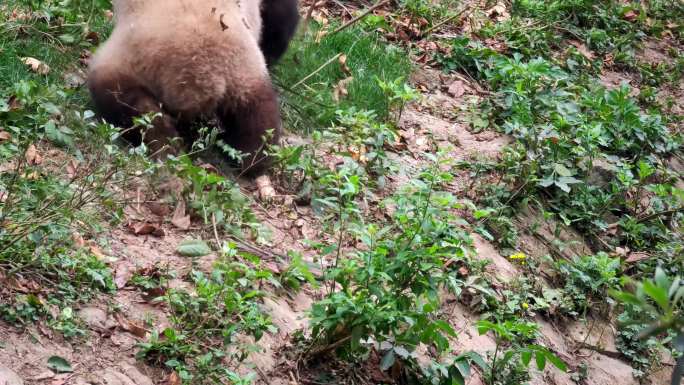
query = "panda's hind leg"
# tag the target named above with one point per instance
(250, 124)
(279, 23)
(119, 98)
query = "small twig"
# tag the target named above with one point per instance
(608, 353)
(255, 250)
(216, 236)
(448, 19)
(330, 347)
(319, 69)
(361, 16)
(309, 13)
(658, 214)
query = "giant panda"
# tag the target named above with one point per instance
(190, 59)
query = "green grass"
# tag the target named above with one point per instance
(43, 206)
(52, 33)
(368, 57)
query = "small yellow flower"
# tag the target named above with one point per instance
(515, 256)
(525, 305)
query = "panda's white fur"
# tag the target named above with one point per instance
(189, 52)
(185, 59)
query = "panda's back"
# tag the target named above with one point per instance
(191, 52)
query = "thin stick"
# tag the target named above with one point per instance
(361, 16)
(658, 214)
(307, 77)
(309, 13)
(216, 236)
(441, 23)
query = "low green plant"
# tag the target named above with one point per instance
(587, 280)
(216, 199)
(387, 291)
(363, 138)
(567, 128)
(658, 305)
(507, 365)
(297, 273)
(201, 343)
(397, 94)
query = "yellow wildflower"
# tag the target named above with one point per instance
(525, 305)
(520, 256)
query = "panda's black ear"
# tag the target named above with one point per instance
(279, 23)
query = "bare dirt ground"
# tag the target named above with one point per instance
(107, 356)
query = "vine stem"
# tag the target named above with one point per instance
(492, 370)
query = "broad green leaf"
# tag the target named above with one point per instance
(562, 170)
(540, 359)
(387, 360)
(356, 334)
(463, 367)
(402, 352)
(626, 297)
(526, 357)
(479, 214)
(661, 278)
(478, 360)
(658, 294)
(556, 361)
(59, 364)
(445, 327)
(193, 248)
(483, 327)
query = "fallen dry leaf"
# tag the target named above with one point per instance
(95, 250)
(630, 15)
(93, 37)
(44, 375)
(159, 208)
(84, 58)
(78, 239)
(19, 15)
(14, 103)
(174, 379)
(180, 219)
(637, 257)
(582, 48)
(266, 190)
(209, 167)
(72, 168)
(456, 89)
(498, 13)
(146, 228)
(74, 79)
(32, 156)
(358, 153)
(4, 136)
(122, 274)
(130, 326)
(340, 91)
(36, 65)
(343, 65)
(621, 251)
